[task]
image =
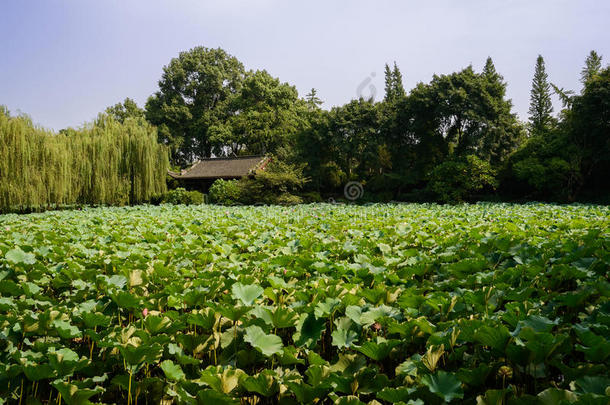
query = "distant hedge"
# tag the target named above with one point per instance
(106, 162)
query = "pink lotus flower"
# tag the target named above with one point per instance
(285, 271)
(376, 326)
(145, 312)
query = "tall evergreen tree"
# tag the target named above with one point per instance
(593, 65)
(496, 85)
(394, 89)
(389, 83)
(399, 90)
(541, 106)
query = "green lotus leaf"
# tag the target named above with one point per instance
(172, 371)
(554, 396)
(378, 350)
(348, 400)
(289, 356)
(492, 397)
(155, 324)
(205, 319)
(9, 287)
(408, 367)
(72, 394)
(394, 395)
(214, 397)
(223, 380)
(233, 313)
(247, 294)
(66, 330)
(284, 318)
(474, 376)
(263, 383)
(36, 372)
(65, 362)
(495, 337)
(344, 338)
(18, 256)
(267, 344)
(445, 385)
(309, 330)
(124, 299)
(94, 319)
(592, 385)
(324, 309)
(7, 304)
(135, 356)
(305, 393)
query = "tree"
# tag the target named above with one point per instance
(541, 106)
(127, 109)
(268, 112)
(353, 136)
(495, 82)
(106, 162)
(193, 95)
(312, 100)
(593, 65)
(573, 158)
(394, 89)
(457, 179)
(399, 89)
(587, 125)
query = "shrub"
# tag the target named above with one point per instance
(275, 185)
(458, 179)
(226, 192)
(312, 197)
(182, 196)
(288, 199)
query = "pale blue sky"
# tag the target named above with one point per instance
(63, 61)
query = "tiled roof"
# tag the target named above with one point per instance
(222, 168)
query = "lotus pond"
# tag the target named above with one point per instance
(380, 304)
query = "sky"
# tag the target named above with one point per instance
(64, 61)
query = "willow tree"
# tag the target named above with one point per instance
(106, 162)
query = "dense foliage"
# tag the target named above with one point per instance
(346, 304)
(453, 139)
(181, 196)
(571, 159)
(277, 184)
(208, 104)
(396, 145)
(107, 162)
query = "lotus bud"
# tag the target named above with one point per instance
(145, 312)
(505, 372)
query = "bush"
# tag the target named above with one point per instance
(288, 199)
(312, 197)
(182, 196)
(278, 184)
(458, 179)
(226, 192)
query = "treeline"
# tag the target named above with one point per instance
(107, 162)
(455, 138)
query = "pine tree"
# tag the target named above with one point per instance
(394, 89)
(389, 83)
(399, 90)
(541, 106)
(593, 65)
(496, 85)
